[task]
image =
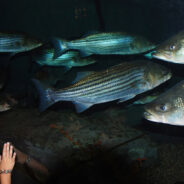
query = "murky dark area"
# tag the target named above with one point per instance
(109, 142)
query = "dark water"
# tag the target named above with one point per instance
(154, 19)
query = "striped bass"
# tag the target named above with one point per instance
(168, 108)
(120, 82)
(172, 50)
(105, 44)
(16, 43)
(69, 59)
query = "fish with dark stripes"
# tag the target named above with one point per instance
(105, 44)
(120, 82)
(16, 43)
(44, 56)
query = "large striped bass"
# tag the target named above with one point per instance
(168, 108)
(16, 43)
(120, 82)
(105, 44)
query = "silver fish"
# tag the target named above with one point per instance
(6, 102)
(168, 108)
(120, 82)
(68, 60)
(172, 50)
(104, 44)
(16, 43)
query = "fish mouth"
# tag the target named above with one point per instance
(162, 55)
(167, 76)
(147, 115)
(150, 116)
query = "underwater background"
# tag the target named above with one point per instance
(109, 143)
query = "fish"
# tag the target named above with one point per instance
(7, 102)
(68, 60)
(4, 106)
(110, 43)
(168, 108)
(172, 50)
(120, 82)
(16, 42)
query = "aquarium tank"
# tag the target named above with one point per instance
(92, 91)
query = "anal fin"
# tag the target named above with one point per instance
(80, 107)
(125, 98)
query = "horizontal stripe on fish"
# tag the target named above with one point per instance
(10, 40)
(97, 42)
(124, 80)
(120, 91)
(104, 46)
(100, 78)
(121, 85)
(109, 94)
(109, 90)
(17, 42)
(101, 81)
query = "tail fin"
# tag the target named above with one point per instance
(59, 47)
(46, 99)
(149, 55)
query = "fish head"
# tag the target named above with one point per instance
(4, 106)
(156, 74)
(168, 108)
(171, 50)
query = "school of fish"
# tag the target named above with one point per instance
(120, 82)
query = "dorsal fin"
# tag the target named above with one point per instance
(81, 75)
(90, 33)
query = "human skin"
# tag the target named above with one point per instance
(7, 162)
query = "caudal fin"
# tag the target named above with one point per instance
(58, 47)
(46, 99)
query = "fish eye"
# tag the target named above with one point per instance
(172, 47)
(163, 107)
